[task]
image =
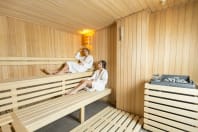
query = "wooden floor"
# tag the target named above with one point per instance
(111, 120)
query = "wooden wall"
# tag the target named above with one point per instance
(104, 49)
(23, 39)
(163, 42)
(131, 61)
(173, 45)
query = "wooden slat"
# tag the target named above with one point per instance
(111, 122)
(5, 101)
(5, 94)
(132, 124)
(188, 91)
(74, 81)
(37, 88)
(174, 117)
(138, 126)
(126, 122)
(71, 85)
(107, 120)
(78, 75)
(110, 115)
(7, 107)
(183, 105)
(190, 99)
(119, 121)
(161, 126)
(153, 129)
(32, 82)
(34, 59)
(172, 109)
(171, 123)
(39, 93)
(26, 63)
(38, 99)
(42, 80)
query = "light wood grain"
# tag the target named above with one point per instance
(131, 70)
(79, 14)
(31, 47)
(174, 112)
(111, 121)
(161, 42)
(104, 48)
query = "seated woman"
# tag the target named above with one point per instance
(84, 63)
(96, 83)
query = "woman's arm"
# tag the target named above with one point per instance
(78, 56)
(92, 77)
(88, 62)
(104, 78)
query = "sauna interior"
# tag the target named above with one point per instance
(150, 48)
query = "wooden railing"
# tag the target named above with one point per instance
(32, 60)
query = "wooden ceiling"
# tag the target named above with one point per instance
(74, 15)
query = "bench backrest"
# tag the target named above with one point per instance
(15, 94)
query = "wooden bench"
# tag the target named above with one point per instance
(37, 102)
(111, 120)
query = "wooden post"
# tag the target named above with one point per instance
(82, 114)
(14, 98)
(63, 87)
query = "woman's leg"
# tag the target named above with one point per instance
(82, 85)
(64, 68)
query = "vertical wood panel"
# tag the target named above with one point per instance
(23, 39)
(178, 28)
(163, 42)
(131, 62)
(104, 48)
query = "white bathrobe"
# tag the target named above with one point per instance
(87, 62)
(99, 80)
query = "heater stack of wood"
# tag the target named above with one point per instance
(170, 108)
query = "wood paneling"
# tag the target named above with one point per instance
(131, 62)
(173, 41)
(163, 42)
(22, 39)
(77, 14)
(104, 48)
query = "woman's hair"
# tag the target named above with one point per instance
(104, 63)
(86, 50)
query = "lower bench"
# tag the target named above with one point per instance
(39, 115)
(111, 120)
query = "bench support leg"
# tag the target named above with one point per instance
(82, 114)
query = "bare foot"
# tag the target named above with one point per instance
(45, 71)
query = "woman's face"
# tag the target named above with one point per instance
(99, 65)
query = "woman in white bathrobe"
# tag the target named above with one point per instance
(84, 63)
(96, 83)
